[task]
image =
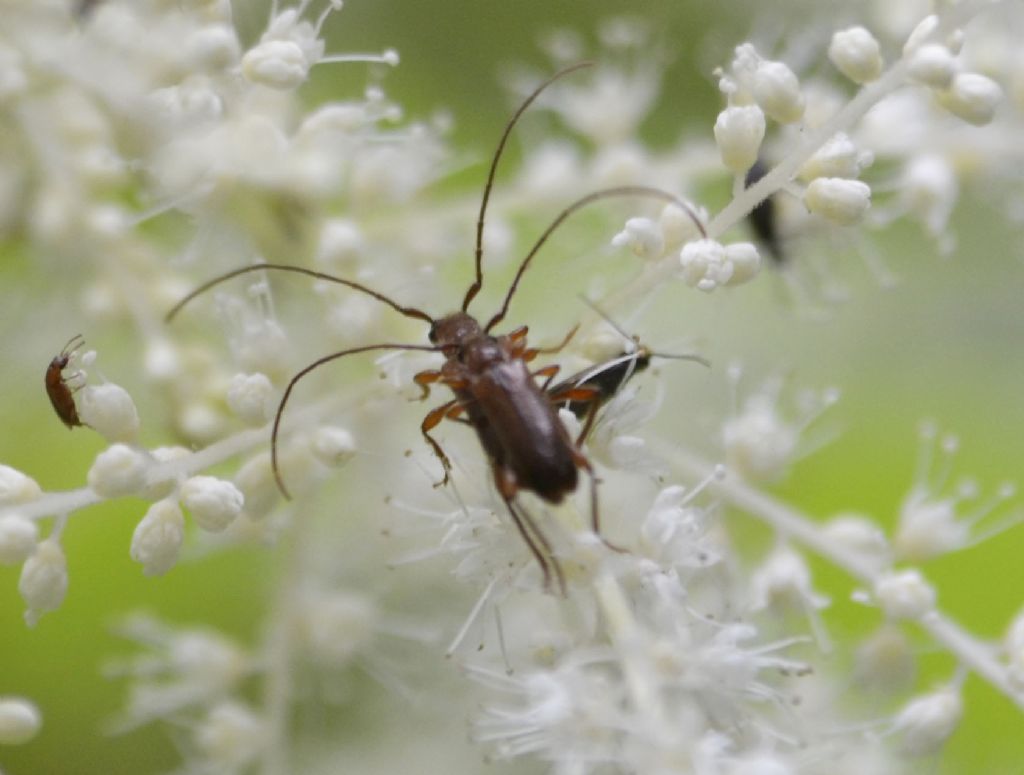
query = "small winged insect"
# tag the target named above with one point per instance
(515, 419)
(764, 218)
(608, 377)
(61, 394)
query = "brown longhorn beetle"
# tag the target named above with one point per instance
(515, 419)
(61, 396)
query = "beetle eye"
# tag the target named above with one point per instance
(432, 335)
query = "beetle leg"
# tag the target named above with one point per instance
(431, 421)
(518, 335)
(585, 394)
(547, 371)
(535, 540)
(595, 519)
(530, 354)
(425, 379)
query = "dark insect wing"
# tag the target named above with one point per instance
(606, 378)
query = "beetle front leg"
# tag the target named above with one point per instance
(430, 422)
(425, 379)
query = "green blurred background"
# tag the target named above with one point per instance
(943, 344)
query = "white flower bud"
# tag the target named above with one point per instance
(250, 398)
(885, 660)
(18, 538)
(703, 264)
(110, 411)
(972, 97)
(927, 721)
(642, 236)
(158, 537)
(20, 720)
(44, 580)
(341, 244)
(117, 471)
(335, 627)
(678, 227)
(213, 503)
(860, 535)
(278, 64)
(837, 199)
(857, 54)
(933, 65)
(745, 262)
(213, 47)
(837, 158)
(16, 487)
(333, 446)
(783, 577)
(929, 189)
(161, 361)
(208, 660)
(904, 595)
(777, 90)
(231, 737)
(922, 32)
(739, 131)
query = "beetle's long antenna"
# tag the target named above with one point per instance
(73, 344)
(479, 281)
(655, 193)
(409, 312)
(315, 365)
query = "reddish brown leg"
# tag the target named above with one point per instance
(547, 371)
(425, 379)
(595, 518)
(569, 394)
(431, 421)
(530, 354)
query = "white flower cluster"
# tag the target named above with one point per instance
(152, 143)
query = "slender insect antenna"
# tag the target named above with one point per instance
(311, 367)
(409, 312)
(479, 281)
(607, 193)
(641, 351)
(73, 344)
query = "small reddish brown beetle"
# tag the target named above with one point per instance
(61, 395)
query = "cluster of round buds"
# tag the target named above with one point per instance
(756, 89)
(213, 503)
(970, 96)
(707, 264)
(44, 572)
(291, 46)
(651, 239)
(18, 534)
